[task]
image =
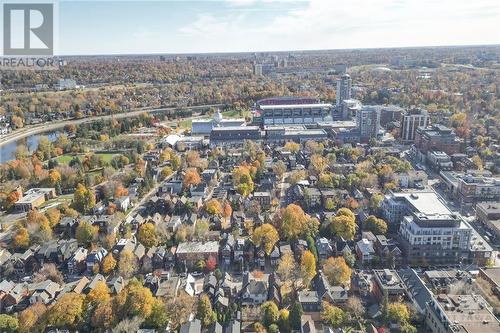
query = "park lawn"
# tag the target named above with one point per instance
(186, 123)
(66, 158)
(235, 114)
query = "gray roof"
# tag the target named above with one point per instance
(191, 327)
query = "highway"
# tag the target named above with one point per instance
(51, 126)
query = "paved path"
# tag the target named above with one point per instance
(47, 127)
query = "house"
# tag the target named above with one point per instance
(388, 250)
(16, 298)
(200, 190)
(67, 226)
(191, 327)
(263, 198)
(25, 262)
(44, 292)
(78, 261)
(243, 252)
(123, 203)
(77, 286)
(388, 282)
(324, 248)
(227, 250)
(254, 289)
(311, 300)
(365, 250)
(95, 257)
(307, 324)
(189, 253)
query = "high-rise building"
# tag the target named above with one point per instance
(412, 120)
(343, 89)
(257, 69)
(368, 122)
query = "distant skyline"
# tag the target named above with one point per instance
(142, 27)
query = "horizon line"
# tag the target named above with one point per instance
(276, 51)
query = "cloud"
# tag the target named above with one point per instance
(327, 24)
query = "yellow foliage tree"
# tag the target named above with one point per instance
(267, 236)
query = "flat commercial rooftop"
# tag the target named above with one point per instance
(295, 106)
(425, 202)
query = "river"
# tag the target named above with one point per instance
(8, 151)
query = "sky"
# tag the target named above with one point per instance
(185, 26)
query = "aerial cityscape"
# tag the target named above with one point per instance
(302, 190)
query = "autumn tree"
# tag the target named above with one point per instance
(355, 306)
(375, 225)
(86, 233)
(279, 168)
(48, 271)
(211, 263)
(204, 311)
(213, 207)
(67, 312)
(287, 268)
(180, 308)
(108, 264)
(292, 147)
(103, 317)
(30, 319)
(127, 265)
(243, 180)
(147, 235)
(227, 212)
(159, 317)
(53, 215)
(294, 222)
(398, 313)
(83, 199)
(266, 236)
(21, 239)
(337, 271)
(343, 224)
(134, 300)
(98, 294)
(307, 267)
(332, 315)
(192, 177)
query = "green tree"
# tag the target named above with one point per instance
(332, 315)
(284, 321)
(296, 315)
(269, 313)
(375, 225)
(8, 324)
(159, 317)
(204, 311)
(86, 233)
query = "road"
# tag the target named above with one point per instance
(47, 127)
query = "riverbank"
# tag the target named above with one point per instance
(48, 127)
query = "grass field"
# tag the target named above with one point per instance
(65, 159)
(235, 114)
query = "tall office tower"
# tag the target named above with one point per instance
(343, 89)
(412, 120)
(257, 69)
(368, 122)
